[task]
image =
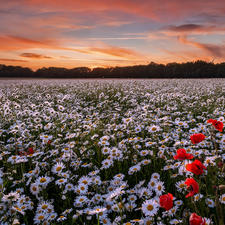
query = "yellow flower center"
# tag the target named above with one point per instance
(149, 207)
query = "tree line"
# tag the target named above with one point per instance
(197, 69)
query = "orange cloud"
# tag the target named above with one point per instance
(116, 51)
(17, 43)
(11, 43)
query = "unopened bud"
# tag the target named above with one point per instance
(163, 156)
(222, 187)
(220, 164)
(223, 169)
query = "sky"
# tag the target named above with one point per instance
(108, 33)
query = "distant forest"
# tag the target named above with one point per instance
(197, 69)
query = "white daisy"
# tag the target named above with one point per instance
(150, 207)
(34, 189)
(12, 196)
(210, 203)
(159, 188)
(222, 198)
(58, 167)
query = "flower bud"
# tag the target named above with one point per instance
(222, 187)
(223, 169)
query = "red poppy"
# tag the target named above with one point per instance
(196, 138)
(217, 124)
(196, 167)
(196, 220)
(30, 151)
(192, 185)
(182, 155)
(166, 201)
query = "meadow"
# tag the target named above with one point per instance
(112, 151)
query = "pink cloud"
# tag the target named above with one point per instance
(163, 10)
(212, 49)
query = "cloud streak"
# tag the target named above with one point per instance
(13, 60)
(212, 49)
(35, 56)
(192, 28)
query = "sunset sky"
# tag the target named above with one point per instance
(92, 33)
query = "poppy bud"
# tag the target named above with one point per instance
(222, 187)
(223, 169)
(220, 164)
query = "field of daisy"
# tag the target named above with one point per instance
(112, 152)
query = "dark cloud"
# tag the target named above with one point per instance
(184, 27)
(35, 56)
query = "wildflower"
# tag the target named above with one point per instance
(159, 188)
(196, 167)
(39, 217)
(175, 221)
(217, 124)
(197, 197)
(81, 199)
(133, 169)
(210, 203)
(166, 201)
(81, 189)
(105, 221)
(150, 207)
(61, 218)
(152, 183)
(119, 176)
(192, 186)
(155, 176)
(197, 138)
(105, 150)
(178, 202)
(132, 198)
(60, 182)
(106, 163)
(12, 196)
(34, 189)
(99, 211)
(182, 155)
(43, 181)
(222, 198)
(58, 167)
(145, 161)
(196, 220)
